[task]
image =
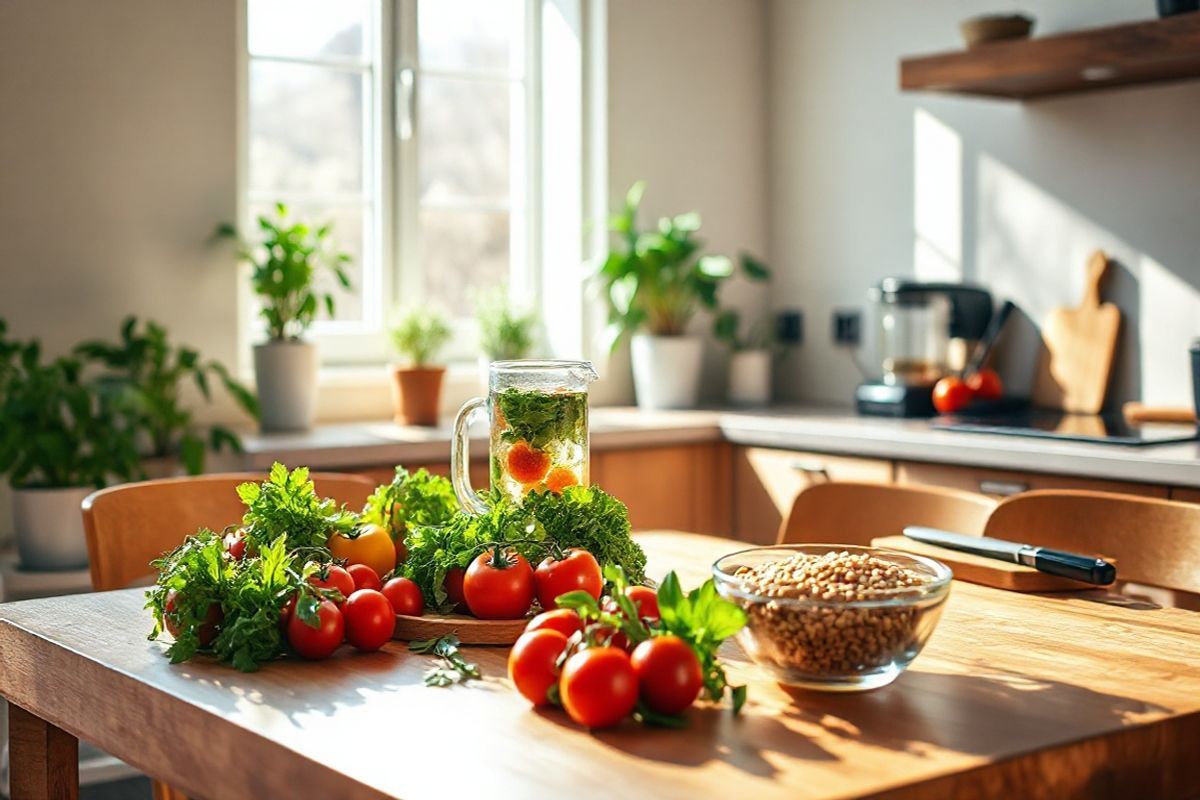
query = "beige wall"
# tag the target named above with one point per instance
(866, 181)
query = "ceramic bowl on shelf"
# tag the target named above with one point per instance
(994, 28)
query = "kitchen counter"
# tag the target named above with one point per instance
(829, 430)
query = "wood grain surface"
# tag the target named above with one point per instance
(985, 571)
(1015, 696)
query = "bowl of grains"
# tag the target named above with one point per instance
(834, 617)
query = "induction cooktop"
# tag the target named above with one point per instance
(1104, 428)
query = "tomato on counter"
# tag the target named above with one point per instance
(985, 384)
(499, 585)
(951, 394)
(577, 570)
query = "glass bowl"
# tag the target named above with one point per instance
(840, 642)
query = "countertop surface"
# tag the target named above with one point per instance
(821, 429)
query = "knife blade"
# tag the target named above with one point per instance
(1087, 569)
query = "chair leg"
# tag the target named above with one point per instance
(164, 792)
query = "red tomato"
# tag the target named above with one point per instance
(578, 570)
(285, 613)
(645, 599)
(668, 673)
(364, 577)
(598, 687)
(370, 619)
(235, 544)
(453, 584)
(401, 549)
(526, 465)
(405, 596)
(533, 663)
(209, 628)
(338, 579)
(499, 589)
(986, 384)
(319, 642)
(950, 395)
(563, 620)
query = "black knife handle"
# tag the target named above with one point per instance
(1076, 567)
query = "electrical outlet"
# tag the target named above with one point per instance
(789, 326)
(847, 326)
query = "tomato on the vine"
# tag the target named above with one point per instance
(598, 686)
(577, 570)
(338, 579)
(563, 620)
(209, 628)
(533, 663)
(645, 599)
(499, 585)
(315, 643)
(364, 577)
(668, 674)
(370, 619)
(235, 544)
(405, 596)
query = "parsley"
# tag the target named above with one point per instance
(286, 504)
(590, 518)
(412, 498)
(542, 418)
(452, 667)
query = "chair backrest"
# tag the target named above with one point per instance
(855, 513)
(129, 526)
(1154, 542)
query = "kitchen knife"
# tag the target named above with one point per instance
(1052, 562)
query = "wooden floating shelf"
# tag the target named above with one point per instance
(1138, 53)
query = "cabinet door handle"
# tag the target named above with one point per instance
(813, 468)
(1002, 488)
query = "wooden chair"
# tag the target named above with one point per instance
(856, 513)
(129, 526)
(1153, 542)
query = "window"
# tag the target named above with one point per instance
(411, 125)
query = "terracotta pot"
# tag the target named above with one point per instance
(417, 394)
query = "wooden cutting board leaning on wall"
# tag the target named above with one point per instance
(1080, 342)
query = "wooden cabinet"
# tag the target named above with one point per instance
(678, 487)
(1185, 495)
(766, 482)
(1002, 483)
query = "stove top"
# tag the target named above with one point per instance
(1110, 428)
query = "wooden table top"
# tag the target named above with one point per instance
(1015, 695)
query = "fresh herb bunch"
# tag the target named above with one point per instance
(411, 499)
(287, 505)
(504, 332)
(420, 335)
(590, 518)
(284, 271)
(451, 667)
(145, 376)
(541, 418)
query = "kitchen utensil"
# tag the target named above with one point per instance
(1139, 412)
(1087, 569)
(995, 327)
(1080, 342)
(994, 28)
(539, 432)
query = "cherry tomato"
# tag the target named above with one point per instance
(209, 628)
(338, 579)
(319, 642)
(499, 588)
(285, 613)
(453, 585)
(985, 384)
(527, 465)
(950, 395)
(370, 619)
(533, 663)
(405, 596)
(400, 549)
(563, 620)
(598, 687)
(578, 570)
(372, 546)
(668, 673)
(645, 599)
(364, 577)
(235, 544)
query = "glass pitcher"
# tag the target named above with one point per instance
(537, 412)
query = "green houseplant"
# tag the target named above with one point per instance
(284, 268)
(419, 336)
(145, 374)
(654, 281)
(505, 331)
(60, 439)
(751, 352)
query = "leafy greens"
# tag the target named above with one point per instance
(541, 418)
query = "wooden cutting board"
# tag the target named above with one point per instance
(1080, 343)
(468, 629)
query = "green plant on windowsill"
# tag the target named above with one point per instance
(504, 331)
(419, 336)
(145, 375)
(761, 334)
(284, 271)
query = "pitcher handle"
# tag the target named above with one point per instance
(460, 459)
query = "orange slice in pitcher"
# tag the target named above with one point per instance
(527, 465)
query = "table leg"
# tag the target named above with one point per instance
(43, 761)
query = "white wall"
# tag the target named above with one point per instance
(866, 181)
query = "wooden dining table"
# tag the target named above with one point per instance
(1015, 695)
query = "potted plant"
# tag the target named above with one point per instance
(654, 281)
(60, 440)
(417, 384)
(750, 361)
(505, 332)
(283, 272)
(144, 374)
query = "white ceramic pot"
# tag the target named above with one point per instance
(286, 375)
(49, 526)
(666, 370)
(750, 378)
